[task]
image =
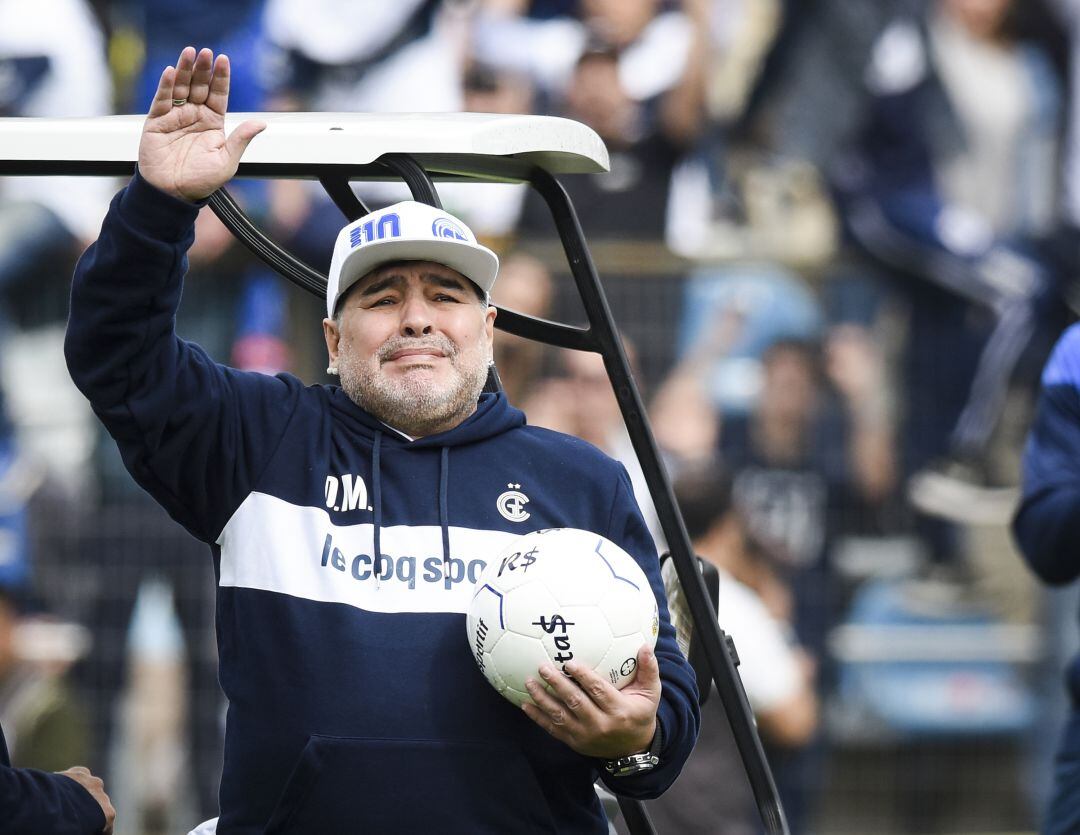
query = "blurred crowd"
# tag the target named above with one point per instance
(838, 239)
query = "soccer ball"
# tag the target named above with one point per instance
(554, 595)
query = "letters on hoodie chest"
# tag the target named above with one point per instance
(323, 548)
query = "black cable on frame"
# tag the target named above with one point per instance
(277, 258)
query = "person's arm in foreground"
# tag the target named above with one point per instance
(1047, 523)
(71, 802)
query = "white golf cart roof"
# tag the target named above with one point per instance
(444, 143)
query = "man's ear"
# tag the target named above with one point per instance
(332, 336)
(489, 329)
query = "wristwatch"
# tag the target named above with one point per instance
(637, 763)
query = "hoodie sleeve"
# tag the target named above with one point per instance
(34, 802)
(1047, 523)
(194, 434)
(678, 713)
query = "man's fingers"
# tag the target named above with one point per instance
(597, 688)
(542, 720)
(217, 98)
(185, 66)
(547, 711)
(162, 102)
(199, 88)
(648, 672)
(568, 690)
(548, 703)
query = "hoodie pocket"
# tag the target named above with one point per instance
(345, 785)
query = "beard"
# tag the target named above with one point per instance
(413, 403)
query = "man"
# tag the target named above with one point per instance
(1047, 529)
(34, 802)
(347, 524)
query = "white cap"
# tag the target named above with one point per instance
(407, 231)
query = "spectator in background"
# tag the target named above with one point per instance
(951, 181)
(44, 223)
(659, 52)
(41, 63)
(45, 727)
(363, 57)
(712, 794)
(647, 118)
(730, 316)
(636, 81)
(525, 287)
(733, 199)
(580, 402)
(395, 57)
(804, 466)
(685, 425)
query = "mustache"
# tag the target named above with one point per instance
(398, 343)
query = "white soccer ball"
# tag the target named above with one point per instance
(554, 595)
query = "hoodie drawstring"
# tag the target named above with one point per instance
(444, 514)
(376, 488)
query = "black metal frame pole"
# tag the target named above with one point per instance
(707, 629)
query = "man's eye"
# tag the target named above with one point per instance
(443, 297)
(383, 302)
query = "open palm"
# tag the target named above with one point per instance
(184, 150)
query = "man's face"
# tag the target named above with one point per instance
(412, 343)
(789, 390)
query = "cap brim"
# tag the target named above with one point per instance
(477, 263)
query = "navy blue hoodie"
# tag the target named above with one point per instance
(1047, 523)
(354, 702)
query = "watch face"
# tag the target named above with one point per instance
(633, 764)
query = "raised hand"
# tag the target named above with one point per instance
(184, 150)
(583, 710)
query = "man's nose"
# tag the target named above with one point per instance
(416, 319)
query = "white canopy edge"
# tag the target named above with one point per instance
(442, 141)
